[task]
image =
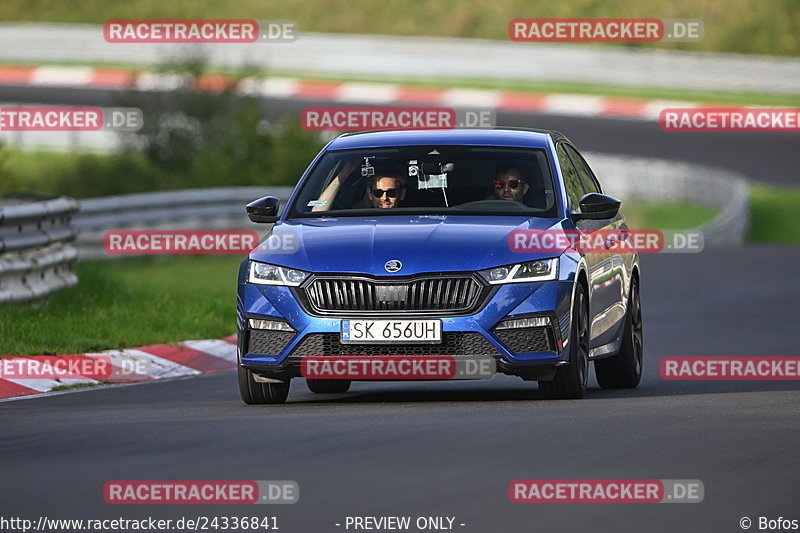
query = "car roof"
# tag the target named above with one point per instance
(527, 138)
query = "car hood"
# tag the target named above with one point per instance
(421, 243)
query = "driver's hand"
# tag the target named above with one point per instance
(347, 169)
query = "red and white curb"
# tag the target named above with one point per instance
(348, 92)
(188, 358)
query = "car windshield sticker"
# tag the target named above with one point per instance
(314, 203)
(431, 175)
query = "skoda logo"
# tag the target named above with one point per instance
(393, 265)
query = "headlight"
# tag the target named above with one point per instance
(266, 274)
(543, 270)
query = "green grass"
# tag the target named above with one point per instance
(80, 175)
(61, 388)
(666, 215)
(745, 26)
(32, 171)
(119, 304)
(774, 214)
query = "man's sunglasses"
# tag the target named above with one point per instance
(391, 193)
(499, 184)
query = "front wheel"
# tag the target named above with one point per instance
(255, 392)
(624, 370)
(570, 380)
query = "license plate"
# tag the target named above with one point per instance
(391, 331)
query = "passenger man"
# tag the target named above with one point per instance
(508, 183)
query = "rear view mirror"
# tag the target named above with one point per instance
(263, 210)
(595, 206)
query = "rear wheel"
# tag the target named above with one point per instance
(254, 392)
(624, 370)
(570, 380)
(328, 385)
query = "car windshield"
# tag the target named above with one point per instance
(428, 180)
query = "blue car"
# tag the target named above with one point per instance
(407, 244)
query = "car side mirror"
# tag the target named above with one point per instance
(595, 206)
(264, 210)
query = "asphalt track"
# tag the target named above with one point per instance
(451, 449)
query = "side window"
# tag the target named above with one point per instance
(571, 180)
(586, 174)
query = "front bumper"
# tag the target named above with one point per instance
(531, 353)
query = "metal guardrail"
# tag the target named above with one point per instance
(35, 249)
(658, 180)
(730, 225)
(220, 208)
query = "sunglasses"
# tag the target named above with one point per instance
(499, 184)
(391, 193)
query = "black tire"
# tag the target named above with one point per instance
(624, 370)
(328, 385)
(253, 392)
(571, 379)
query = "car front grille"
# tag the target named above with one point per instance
(453, 344)
(441, 295)
(527, 340)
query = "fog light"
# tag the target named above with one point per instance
(272, 325)
(532, 322)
